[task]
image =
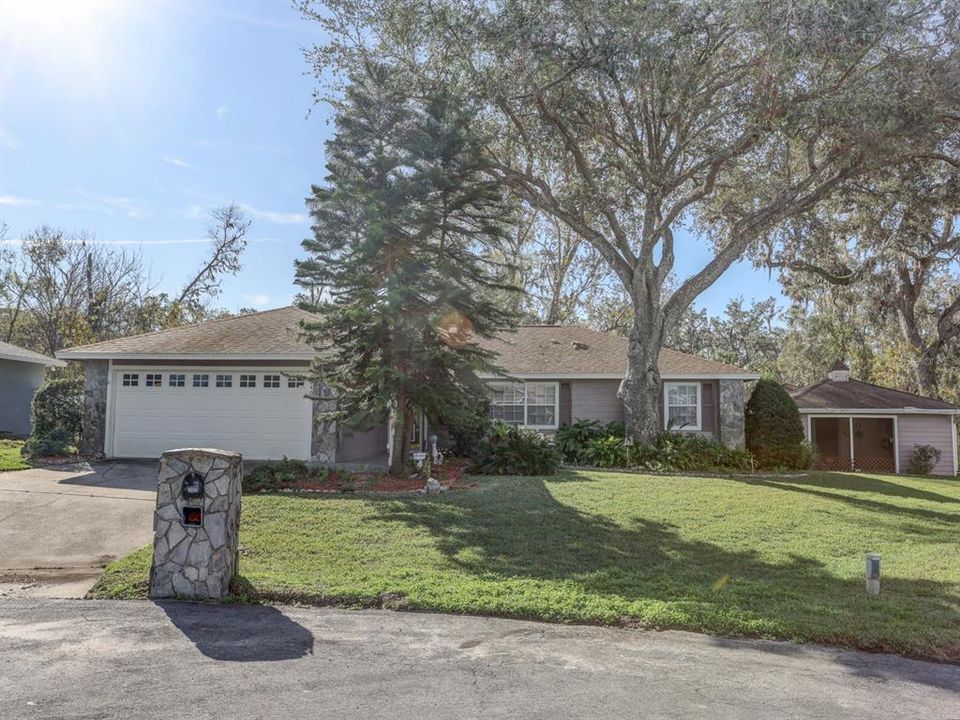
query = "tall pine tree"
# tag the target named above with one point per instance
(399, 263)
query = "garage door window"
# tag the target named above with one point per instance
(201, 380)
(224, 381)
(294, 382)
(153, 380)
(271, 381)
(131, 379)
(248, 381)
(176, 380)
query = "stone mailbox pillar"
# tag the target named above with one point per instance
(196, 523)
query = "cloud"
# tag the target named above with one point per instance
(8, 140)
(281, 218)
(223, 111)
(177, 161)
(257, 300)
(172, 241)
(14, 201)
(115, 204)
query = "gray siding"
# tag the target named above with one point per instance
(595, 400)
(18, 382)
(926, 430)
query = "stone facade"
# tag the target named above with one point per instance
(323, 442)
(96, 381)
(196, 562)
(731, 429)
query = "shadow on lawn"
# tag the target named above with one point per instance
(518, 529)
(811, 485)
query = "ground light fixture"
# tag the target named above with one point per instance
(873, 573)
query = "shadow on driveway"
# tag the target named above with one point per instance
(240, 633)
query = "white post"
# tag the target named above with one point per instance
(853, 464)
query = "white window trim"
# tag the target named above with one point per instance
(666, 406)
(556, 402)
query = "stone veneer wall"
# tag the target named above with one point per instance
(96, 380)
(323, 443)
(731, 428)
(197, 562)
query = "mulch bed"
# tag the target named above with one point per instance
(451, 474)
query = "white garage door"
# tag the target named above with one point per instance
(260, 413)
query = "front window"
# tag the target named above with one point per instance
(682, 405)
(528, 404)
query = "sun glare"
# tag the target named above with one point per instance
(67, 38)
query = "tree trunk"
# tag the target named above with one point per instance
(398, 461)
(640, 389)
(926, 372)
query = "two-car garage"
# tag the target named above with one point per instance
(261, 412)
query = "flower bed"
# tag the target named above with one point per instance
(292, 476)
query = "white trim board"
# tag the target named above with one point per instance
(866, 412)
(665, 377)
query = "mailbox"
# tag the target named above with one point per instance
(192, 486)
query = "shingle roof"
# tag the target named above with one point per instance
(853, 394)
(575, 349)
(532, 349)
(269, 333)
(19, 354)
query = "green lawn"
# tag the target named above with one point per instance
(10, 455)
(774, 557)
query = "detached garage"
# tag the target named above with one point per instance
(859, 426)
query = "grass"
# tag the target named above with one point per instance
(10, 456)
(774, 557)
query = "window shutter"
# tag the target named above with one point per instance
(566, 404)
(707, 407)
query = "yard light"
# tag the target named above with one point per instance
(873, 573)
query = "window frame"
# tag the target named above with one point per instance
(223, 381)
(200, 380)
(153, 380)
(271, 381)
(526, 404)
(247, 381)
(177, 380)
(699, 405)
(130, 380)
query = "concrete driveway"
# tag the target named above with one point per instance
(59, 526)
(136, 660)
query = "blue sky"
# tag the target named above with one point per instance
(132, 120)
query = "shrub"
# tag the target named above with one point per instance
(508, 450)
(572, 440)
(467, 432)
(608, 452)
(773, 426)
(58, 405)
(923, 460)
(680, 452)
(672, 452)
(56, 443)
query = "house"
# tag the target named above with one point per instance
(856, 425)
(21, 373)
(233, 383)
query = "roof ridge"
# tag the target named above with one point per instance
(212, 321)
(902, 392)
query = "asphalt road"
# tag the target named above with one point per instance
(132, 660)
(59, 526)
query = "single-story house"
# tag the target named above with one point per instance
(233, 383)
(856, 425)
(21, 373)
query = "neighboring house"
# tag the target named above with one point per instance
(233, 384)
(21, 373)
(856, 425)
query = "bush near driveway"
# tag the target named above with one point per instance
(58, 406)
(773, 557)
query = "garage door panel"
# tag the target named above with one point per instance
(261, 422)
